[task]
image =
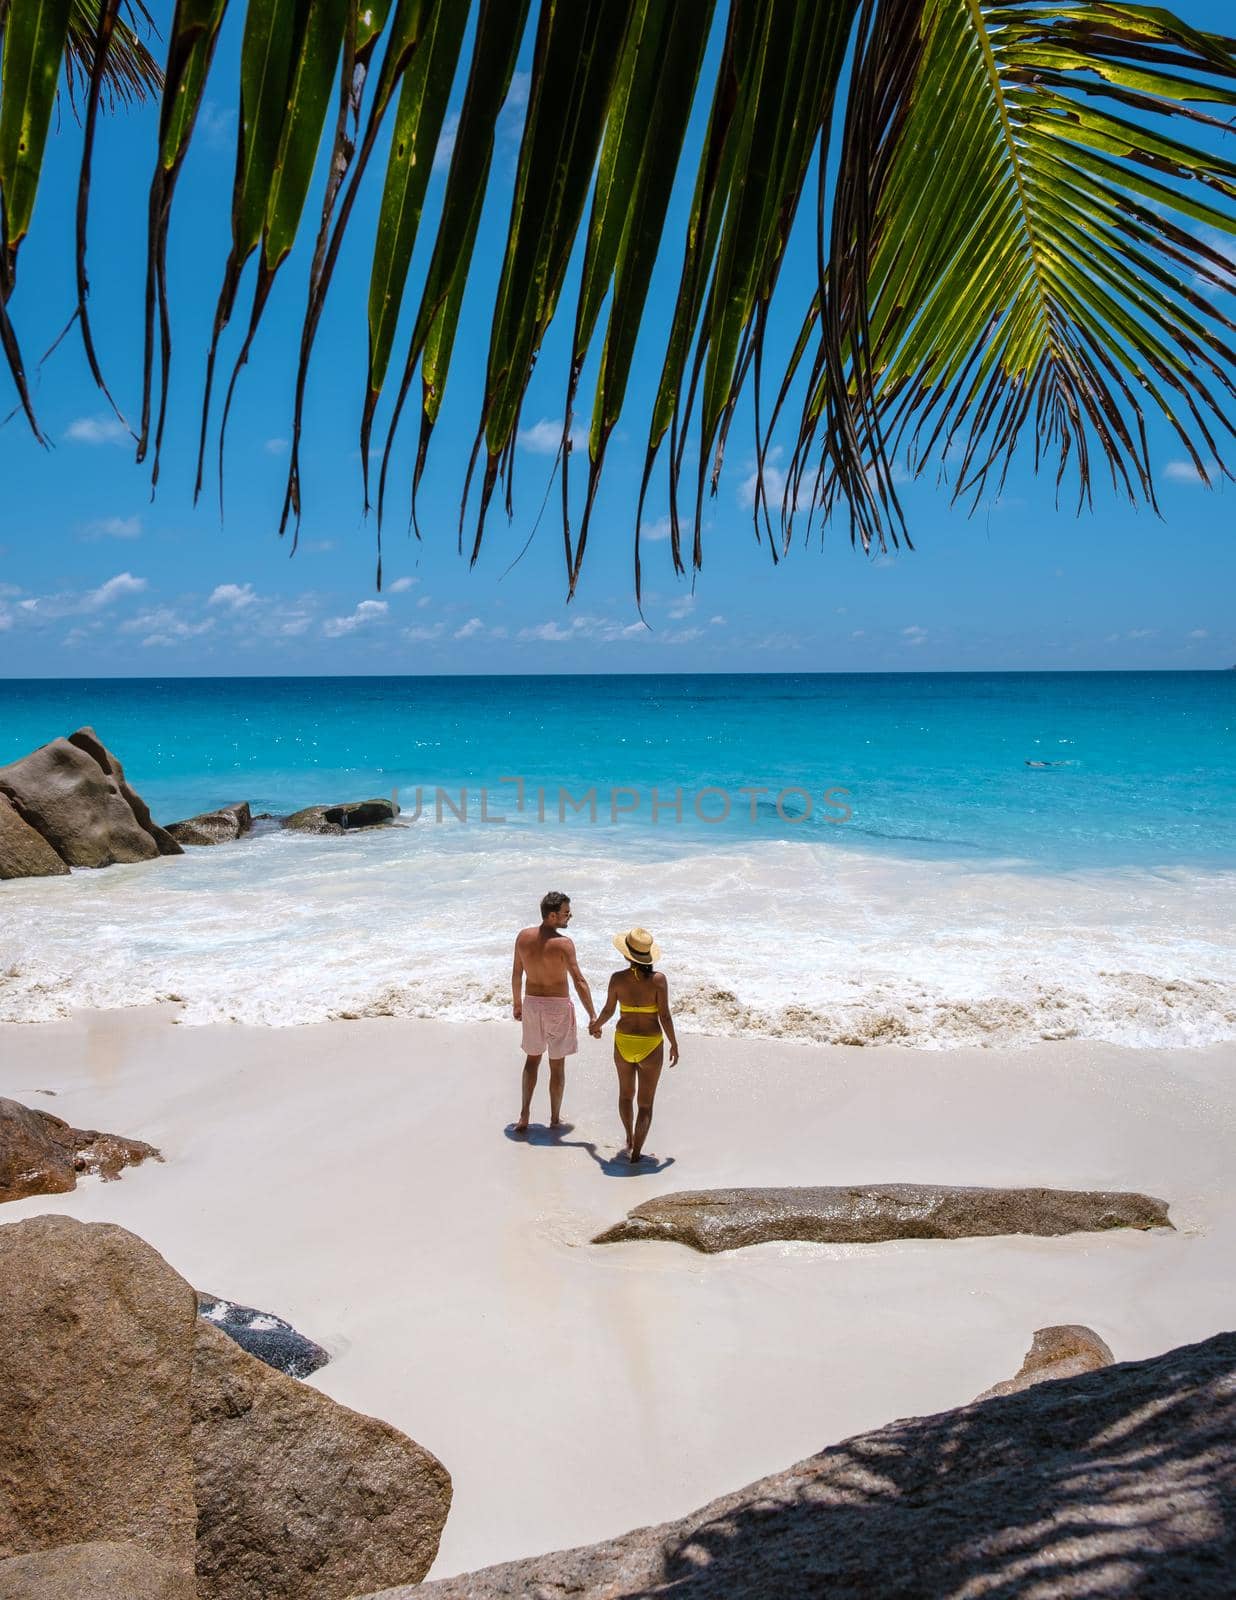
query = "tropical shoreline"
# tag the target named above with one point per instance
(349, 1177)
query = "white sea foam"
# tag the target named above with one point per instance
(789, 939)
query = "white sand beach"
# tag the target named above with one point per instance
(357, 1179)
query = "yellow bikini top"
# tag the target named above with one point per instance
(625, 1010)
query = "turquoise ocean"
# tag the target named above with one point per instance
(926, 859)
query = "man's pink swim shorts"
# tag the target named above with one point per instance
(549, 1026)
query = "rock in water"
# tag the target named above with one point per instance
(263, 1335)
(298, 1496)
(73, 792)
(727, 1219)
(24, 852)
(88, 740)
(102, 1570)
(1119, 1485)
(214, 827)
(1063, 1351)
(342, 818)
(41, 1154)
(96, 1362)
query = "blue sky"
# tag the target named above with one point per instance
(98, 579)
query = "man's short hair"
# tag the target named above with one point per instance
(553, 901)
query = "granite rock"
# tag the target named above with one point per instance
(342, 818)
(1065, 1350)
(1120, 1484)
(24, 852)
(101, 1570)
(264, 1335)
(96, 1360)
(41, 1154)
(88, 740)
(727, 1219)
(213, 827)
(77, 805)
(299, 1498)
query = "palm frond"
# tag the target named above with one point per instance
(1017, 241)
(130, 75)
(1039, 260)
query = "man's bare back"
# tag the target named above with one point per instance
(545, 955)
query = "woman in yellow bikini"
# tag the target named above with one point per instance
(640, 995)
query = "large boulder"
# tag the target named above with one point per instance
(342, 818)
(1120, 1484)
(1063, 1351)
(129, 1418)
(213, 827)
(101, 1570)
(24, 852)
(727, 1219)
(88, 740)
(73, 792)
(262, 1334)
(41, 1154)
(298, 1496)
(96, 1361)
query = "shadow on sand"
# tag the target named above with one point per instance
(615, 1166)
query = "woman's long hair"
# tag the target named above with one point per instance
(642, 969)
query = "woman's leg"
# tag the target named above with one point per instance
(626, 1094)
(649, 1071)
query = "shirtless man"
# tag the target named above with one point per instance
(544, 958)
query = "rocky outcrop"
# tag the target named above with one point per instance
(298, 1496)
(41, 1154)
(102, 1570)
(73, 794)
(129, 1418)
(1119, 1484)
(96, 1361)
(24, 852)
(213, 827)
(1064, 1351)
(264, 1335)
(342, 818)
(727, 1219)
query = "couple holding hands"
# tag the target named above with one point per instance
(544, 961)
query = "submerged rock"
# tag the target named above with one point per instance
(727, 1219)
(263, 1335)
(342, 818)
(1063, 1351)
(73, 793)
(100, 1570)
(213, 827)
(41, 1154)
(1119, 1484)
(24, 852)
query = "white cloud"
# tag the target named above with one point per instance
(236, 596)
(216, 125)
(1142, 633)
(1182, 472)
(583, 627)
(6, 619)
(276, 447)
(446, 143)
(422, 602)
(1200, 633)
(419, 635)
(164, 627)
(319, 546)
(293, 623)
(123, 583)
(102, 429)
(682, 607)
(368, 611)
(885, 559)
(511, 117)
(544, 437)
(682, 636)
(113, 528)
(662, 528)
(401, 585)
(914, 634)
(716, 622)
(470, 629)
(859, 633)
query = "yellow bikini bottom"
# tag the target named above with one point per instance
(633, 1047)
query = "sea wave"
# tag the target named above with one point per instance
(780, 940)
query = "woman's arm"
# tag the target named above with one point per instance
(606, 1012)
(667, 1022)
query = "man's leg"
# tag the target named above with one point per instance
(649, 1076)
(530, 1069)
(557, 1083)
(626, 1095)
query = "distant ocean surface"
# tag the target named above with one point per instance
(887, 867)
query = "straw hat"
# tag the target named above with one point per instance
(636, 945)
